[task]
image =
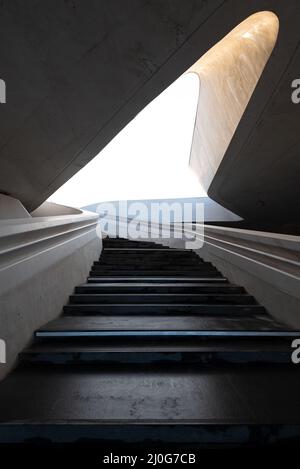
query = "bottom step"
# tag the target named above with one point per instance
(191, 434)
(212, 404)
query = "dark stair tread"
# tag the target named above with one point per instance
(140, 252)
(207, 272)
(162, 298)
(77, 394)
(158, 273)
(161, 309)
(192, 284)
(134, 263)
(56, 354)
(156, 279)
(163, 249)
(197, 267)
(134, 245)
(149, 254)
(164, 323)
(189, 345)
(211, 272)
(158, 288)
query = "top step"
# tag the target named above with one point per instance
(137, 249)
(128, 243)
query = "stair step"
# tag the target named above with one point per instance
(152, 251)
(145, 250)
(149, 272)
(65, 335)
(133, 253)
(157, 279)
(159, 309)
(192, 404)
(198, 267)
(135, 245)
(131, 263)
(212, 351)
(158, 288)
(162, 298)
(151, 269)
(156, 326)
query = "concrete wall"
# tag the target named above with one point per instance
(41, 261)
(75, 74)
(78, 72)
(258, 177)
(11, 208)
(228, 74)
(281, 304)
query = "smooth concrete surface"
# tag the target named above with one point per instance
(78, 72)
(282, 305)
(75, 75)
(11, 208)
(41, 260)
(50, 209)
(271, 273)
(258, 177)
(228, 74)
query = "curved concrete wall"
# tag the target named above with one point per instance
(78, 72)
(228, 74)
(75, 75)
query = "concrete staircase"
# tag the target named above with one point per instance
(156, 346)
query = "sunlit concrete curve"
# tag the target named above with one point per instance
(228, 74)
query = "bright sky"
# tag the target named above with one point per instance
(148, 159)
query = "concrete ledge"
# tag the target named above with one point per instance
(266, 264)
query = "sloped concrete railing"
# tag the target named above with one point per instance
(280, 253)
(23, 240)
(266, 264)
(41, 260)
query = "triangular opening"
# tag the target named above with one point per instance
(148, 159)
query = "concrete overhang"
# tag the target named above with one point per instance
(77, 72)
